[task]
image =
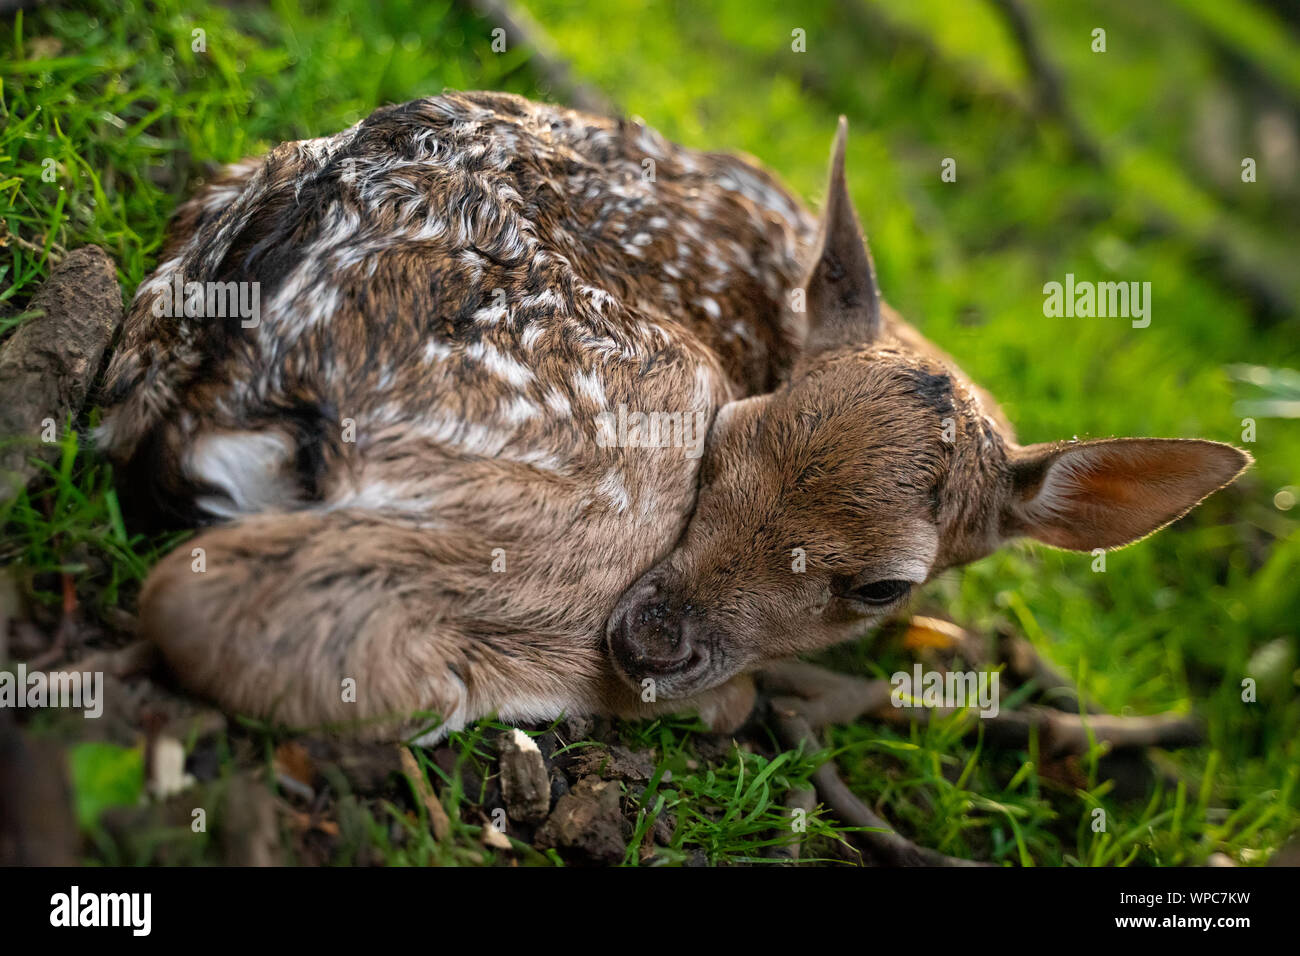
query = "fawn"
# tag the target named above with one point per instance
(414, 499)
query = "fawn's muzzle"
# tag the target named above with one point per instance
(651, 636)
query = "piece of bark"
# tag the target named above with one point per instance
(167, 776)
(525, 781)
(47, 365)
(588, 822)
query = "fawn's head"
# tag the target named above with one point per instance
(825, 503)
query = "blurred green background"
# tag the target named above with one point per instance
(1122, 165)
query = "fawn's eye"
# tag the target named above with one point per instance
(880, 592)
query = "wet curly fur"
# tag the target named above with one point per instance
(398, 463)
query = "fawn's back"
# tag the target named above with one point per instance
(454, 296)
(468, 277)
(432, 438)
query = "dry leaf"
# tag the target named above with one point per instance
(494, 839)
(292, 760)
(932, 632)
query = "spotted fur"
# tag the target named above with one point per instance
(399, 466)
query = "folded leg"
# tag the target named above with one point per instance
(311, 618)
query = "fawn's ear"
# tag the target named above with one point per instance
(1111, 492)
(842, 301)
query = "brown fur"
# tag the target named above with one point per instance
(476, 426)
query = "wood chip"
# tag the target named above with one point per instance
(525, 782)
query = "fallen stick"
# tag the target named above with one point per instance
(438, 818)
(47, 365)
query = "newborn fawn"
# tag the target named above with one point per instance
(455, 463)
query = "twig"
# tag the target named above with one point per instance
(825, 697)
(1049, 88)
(47, 365)
(438, 818)
(56, 252)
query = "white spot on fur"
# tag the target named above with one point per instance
(541, 460)
(491, 315)
(435, 351)
(466, 437)
(520, 410)
(589, 385)
(558, 402)
(615, 491)
(599, 297)
(250, 468)
(548, 299)
(500, 364)
(531, 334)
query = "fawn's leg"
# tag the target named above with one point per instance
(309, 618)
(807, 697)
(723, 709)
(1065, 733)
(1063, 720)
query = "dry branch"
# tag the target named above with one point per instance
(47, 365)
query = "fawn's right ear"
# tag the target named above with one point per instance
(1111, 492)
(841, 296)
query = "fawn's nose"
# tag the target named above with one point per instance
(649, 637)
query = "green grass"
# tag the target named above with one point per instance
(131, 116)
(729, 810)
(69, 523)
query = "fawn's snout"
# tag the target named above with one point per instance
(843, 473)
(822, 504)
(656, 635)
